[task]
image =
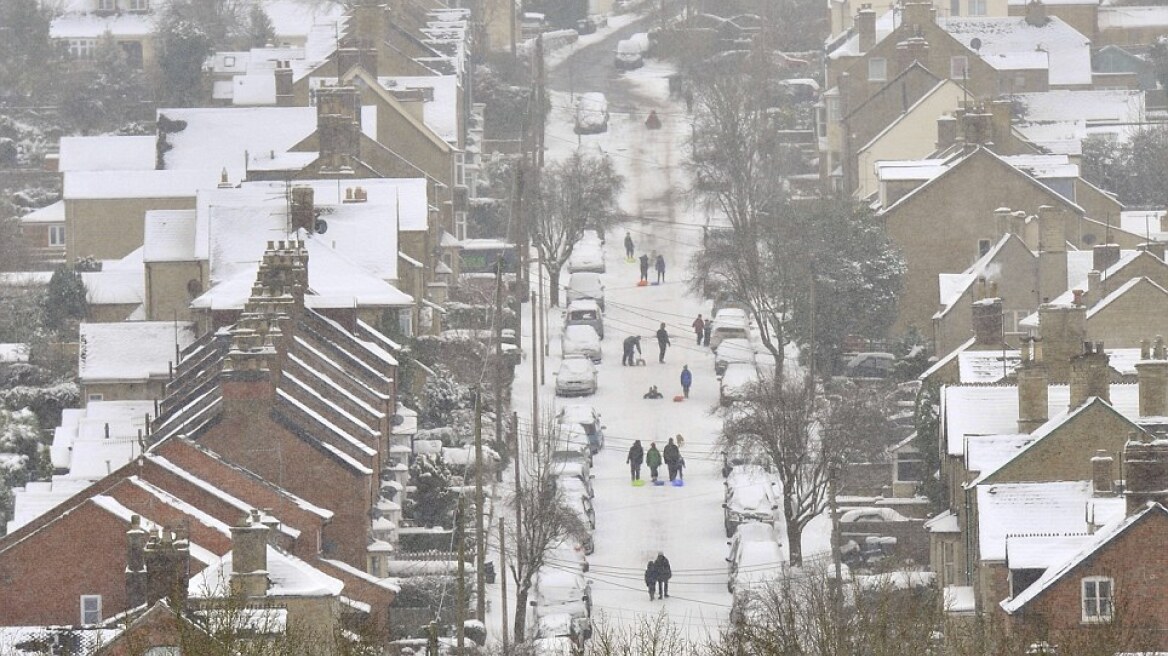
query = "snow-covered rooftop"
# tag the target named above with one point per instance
(440, 113)
(1068, 50)
(131, 351)
(169, 236)
(885, 24)
(114, 286)
(143, 184)
(219, 137)
(987, 366)
(92, 26)
(108, 153)
(1040, 551)
(1127, 18)
(1009, 509)
(1059, 120)
(288, 575)
(984, 453)
(54, 213)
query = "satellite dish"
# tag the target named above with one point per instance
(975, 43)
(194, 287)
(397, 420)
(320, 227)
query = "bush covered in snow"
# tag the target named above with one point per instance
(442, 395)
(22, 456)
(431, 502)
(44, 402)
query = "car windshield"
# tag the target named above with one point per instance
(576, 366)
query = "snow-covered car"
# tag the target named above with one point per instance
(591, 113)
(751, 501)
(588, 419)
(587, 256)
(574, 453)
(586, 284)
(733, 349)
(734, 382)
(555, 646)
(576, 377)
(581, 340)
(561, 625)
(729, 323)
(871, 515)
(628, 55)
(756, 564)
(571, 438)
(748, 474)
(568, 554)
(742, 451)
(750, 532)
(559, 591)
(585, 312)
(870, 365)
(571, 476)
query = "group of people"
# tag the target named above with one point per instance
(632, 345)
(703, 328)
(658, 262)
(671, 456)
(657, 576)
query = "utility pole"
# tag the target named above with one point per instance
(518, 496)
(539, 80)
(542, 326)
(535, 355)
(498, 350)
(503, 576)
(480, 531)
(460, 614)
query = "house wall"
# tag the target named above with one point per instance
(168, 290)
(1141, 312)
(110, 229)
(1017, 281)
(110, 312)
(913, 136)
(124, 391)
(316, 619)
(1065, 455)
(1141, 602)
(993, 585)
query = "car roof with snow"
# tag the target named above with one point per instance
(739, 373)
(577, 413)
(752, 497)
(736, 348)
(581, 332)
(583, 305)
(576, 364)
(759, 554)
(755, 531)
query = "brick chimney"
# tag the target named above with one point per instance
(1104, 256)
(249, 557)
(1064, 328)
(1090, 375)
(916, 14)
(284, 94)
(1036, 13)
(135, 563)
(1156, 248)
(1152, 373)
(1145, 471)
(370, 21)
(338, 128)
(1102, 474)
(866, 28)
(911, 50)
(302, 209)
(168, 562)
(946, 131)
(1002, 113)
(977, 126)
(1033, 397)
(1094, 291)
(1052, 252)
(987, 322)
(355, 51)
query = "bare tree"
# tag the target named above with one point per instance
(650, 636)
(573, 195)
(544, 519)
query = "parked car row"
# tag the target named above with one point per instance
(752, 513)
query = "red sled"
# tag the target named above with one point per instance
(678, 399)
(643, 283)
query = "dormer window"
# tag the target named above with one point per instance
(877, 69)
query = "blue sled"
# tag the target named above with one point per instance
(658, 483)
(678, 482)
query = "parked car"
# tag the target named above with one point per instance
(573, 452)
(591, 113)
(568, 554)
(559, 591)
(749, 501)
(581, 340)
(733, 383)
(587, 256)
(576, 376)
(585, 312)
(739, 454)
(750, 532)
(585, 26)
(628, 55)
(748, 474)
(585, 284)
(734, 349)
(570, 479)
(756, 564)
(588, 419)
(560, 626)
(729, 323)
(870, 365)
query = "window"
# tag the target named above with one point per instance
(1019, 81)
(821, 120)
(977, 7)
(56, 235)
(983, 247)
(133, 50)
(107, 5)
(460, 169)
(833, 109)
(90, 398)
(909, 467)
(229, 61)
(877, 69)
(460, 225)
(1098, 592)
(82, 48)
(139, 5)
(954, 7)
(90, 609)
(949, 563)
(958, 68)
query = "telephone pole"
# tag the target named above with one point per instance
(460, 612)
(498, 349)
(503, 576)
(539, 81)
(542, 326)
(480, 532)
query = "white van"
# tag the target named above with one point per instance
(628, 55)
(591, 113)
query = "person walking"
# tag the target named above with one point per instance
(686, 380)
(629, 246)
(707, 329)
(699, 327)
(681, 468)
(662, 342)
(651, 578)
(662, 572)
(653, 459)
(644, 267)
(660, 268)
(671, 455)
(631, 343)
(636, 457)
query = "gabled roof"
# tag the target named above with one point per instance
(288, 576)
(954, 286)
(1006, 509)
(1126, 257)
(915, 68)
(372, 84)
(131, 351)
(1124, 289)
(1098, 542)
(1014, 42)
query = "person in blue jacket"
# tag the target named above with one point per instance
(686, 379)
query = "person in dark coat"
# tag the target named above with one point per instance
(660, 264)
(653, 393)
(671, 455)
(636, 457)
(686, 380)
(662, 341)
(706, 330)
(651, 578)
(699, 327)
(629, 246)
(653, 459)
(631, 343)
(644, 267)
(663, 573)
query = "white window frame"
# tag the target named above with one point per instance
(959, 67)
(460, 225)
(833, 109)
(93, 614)
(978, 7)
(144, 5)
(95, 397)
(1092, 598)
(877, 69)
(107, 5)
(82, 48)
(57, 235)
(460, 169)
